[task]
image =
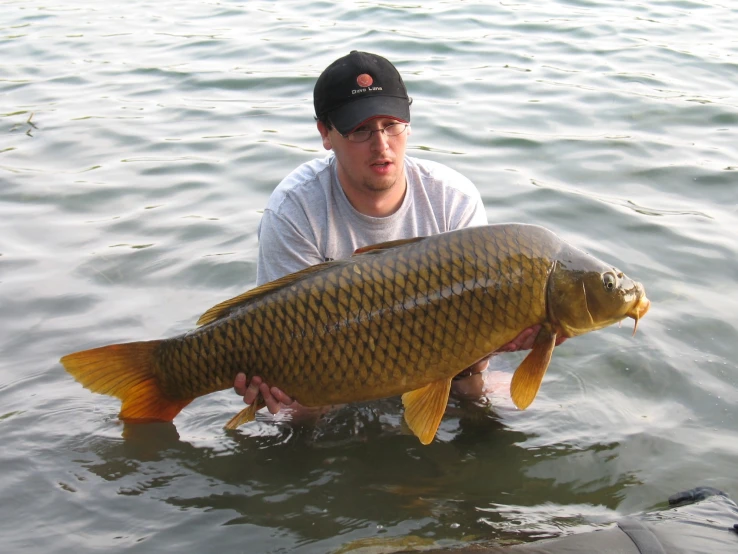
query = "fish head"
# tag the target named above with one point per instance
(585, 294)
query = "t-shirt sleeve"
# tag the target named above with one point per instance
(283, 248)
(473, 216)
(468, 209)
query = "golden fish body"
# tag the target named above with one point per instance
(398, 318)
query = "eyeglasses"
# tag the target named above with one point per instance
(391, 130)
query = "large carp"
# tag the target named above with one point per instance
(397, 318)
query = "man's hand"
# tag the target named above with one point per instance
(274, 398)
(524, 341)
(470, 384)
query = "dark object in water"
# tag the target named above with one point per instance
(693, 495)
(701, 520)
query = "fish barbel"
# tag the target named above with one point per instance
(399, 318)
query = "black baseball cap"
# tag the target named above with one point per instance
(358, 87)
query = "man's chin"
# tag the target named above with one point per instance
(380, 185)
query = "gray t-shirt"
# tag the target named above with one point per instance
(309, 220)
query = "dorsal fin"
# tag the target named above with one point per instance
(226, 307)
(386, 245)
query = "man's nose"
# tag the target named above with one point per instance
(379, 140)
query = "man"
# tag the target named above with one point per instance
(366, 192)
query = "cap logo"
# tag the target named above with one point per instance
(364, 80)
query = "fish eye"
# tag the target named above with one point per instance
(609, 280)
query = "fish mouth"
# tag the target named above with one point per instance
(639, 309)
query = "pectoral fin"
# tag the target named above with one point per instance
(246, 415)
(527, 378)
(425, 407)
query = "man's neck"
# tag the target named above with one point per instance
(378, 203)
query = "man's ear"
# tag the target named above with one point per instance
(323, 130)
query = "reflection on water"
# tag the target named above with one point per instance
(139, 145)
(295, 478)
(316, 464)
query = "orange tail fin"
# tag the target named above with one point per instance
(125, 371)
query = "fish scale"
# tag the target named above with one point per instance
(396, 318)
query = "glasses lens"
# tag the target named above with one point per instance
(359, 136)
(394, 129)
(390, 130)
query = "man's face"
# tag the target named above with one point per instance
(375, 165)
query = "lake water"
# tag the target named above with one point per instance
(139, 142)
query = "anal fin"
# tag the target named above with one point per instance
(246, 415)
(425, 407)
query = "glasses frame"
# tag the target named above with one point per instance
(383, 130)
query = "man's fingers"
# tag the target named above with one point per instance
(524, 341)
(271, 402)
(252, 391)
(281, 396)
(273, 397)
(239, 385)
